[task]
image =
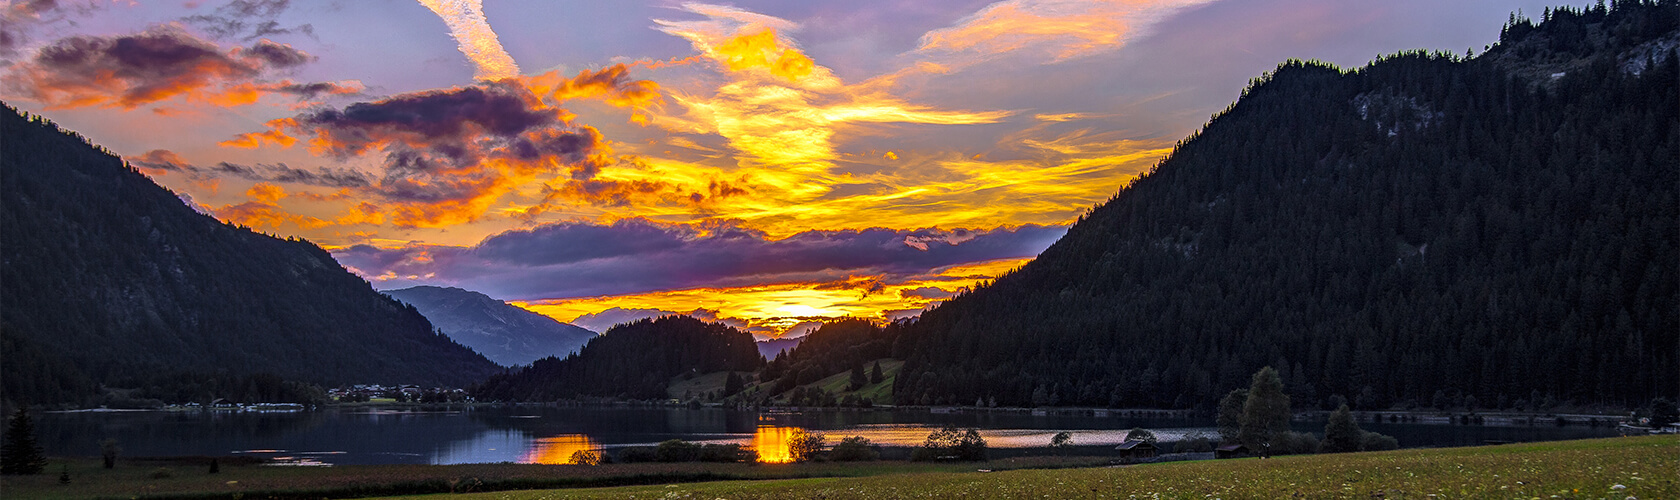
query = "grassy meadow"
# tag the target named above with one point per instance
(1643, 467)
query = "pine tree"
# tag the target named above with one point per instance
(875, 376)
(1266, 413)
(858, 380)
(1342, 434)
(22, 455)
(732, 384)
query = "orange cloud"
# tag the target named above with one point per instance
(612, 84)
(265, 193)
(761, 50)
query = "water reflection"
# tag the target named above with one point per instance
(771, 443)
(551, 434)
(559, 449)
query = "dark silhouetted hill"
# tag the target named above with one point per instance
(109, 279)
(635, 360)
(1426, 231)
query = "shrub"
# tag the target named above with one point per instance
(677, 450)
(1342, 433)
(1372, 441)
(1194, 443)
(854, 449)
(1294, 443)
(951, 444)
(1061, 440)
(161, 473)
(584, 457)
(804, 446)
(726, 453)
(636, 454)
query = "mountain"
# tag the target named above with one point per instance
(506, 334)
(1426, 231)
(774, 347)
(110, 280)
(635, 360)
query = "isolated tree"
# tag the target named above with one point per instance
(1140, 434)
(1265, 414)
(1342, 434)
(1230, 415)
(858, 380)
(875, 376)
(804, 446)
(21, 455)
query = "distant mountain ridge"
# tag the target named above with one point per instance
(111, 280)
(507, 334)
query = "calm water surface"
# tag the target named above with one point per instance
(552, 434)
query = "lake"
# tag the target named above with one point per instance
(550, 434)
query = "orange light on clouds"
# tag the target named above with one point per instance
(556, 450)
(773, 309)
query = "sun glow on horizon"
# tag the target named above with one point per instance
(772, 310)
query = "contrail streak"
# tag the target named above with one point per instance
(467, 24)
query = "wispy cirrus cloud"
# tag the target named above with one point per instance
(1050, 30)
(477, 41)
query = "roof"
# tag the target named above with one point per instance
(1232, 447)
(1129, 445)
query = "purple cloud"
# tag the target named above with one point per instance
(637, 256)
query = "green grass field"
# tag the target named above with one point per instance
(1644, 467)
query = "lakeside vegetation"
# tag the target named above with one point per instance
(1643, 466)
(1602, 468)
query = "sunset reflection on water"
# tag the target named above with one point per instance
(771, 443)
(559, 449)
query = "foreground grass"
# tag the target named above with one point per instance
(136, 479)
(1644, 467)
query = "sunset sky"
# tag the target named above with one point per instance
(763, 163)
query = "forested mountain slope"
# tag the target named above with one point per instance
(1497, 231)
(506, 334)
(109, 279)
(634, 360)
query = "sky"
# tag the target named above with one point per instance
(766, 164)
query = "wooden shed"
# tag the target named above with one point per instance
(1138, 449)
(1231, 451)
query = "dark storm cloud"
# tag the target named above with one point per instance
(446, 121)
(140, 68)
(635, 256)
